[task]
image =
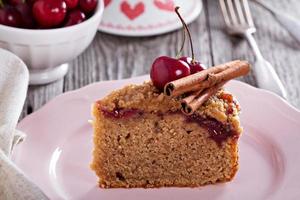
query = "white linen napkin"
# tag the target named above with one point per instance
(13, 87)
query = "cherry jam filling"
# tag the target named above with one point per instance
(119, 113)
(218, 131)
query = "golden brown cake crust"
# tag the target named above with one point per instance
(160, 147)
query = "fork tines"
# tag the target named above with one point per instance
(236, 12)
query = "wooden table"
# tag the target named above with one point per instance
(112, 57)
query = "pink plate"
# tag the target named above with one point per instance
(57, 152)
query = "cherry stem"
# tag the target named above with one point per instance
(1, 4)
(182, 45)
(187, 30)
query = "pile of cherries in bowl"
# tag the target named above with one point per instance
(45, 14)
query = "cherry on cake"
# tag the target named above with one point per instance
(144, 138)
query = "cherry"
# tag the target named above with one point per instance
(88, 6)
(49, 13)
(75, 17)
(10, 16)
(166, 69)
(71, 4)
(30, 2)
(27, 18)
(15, 2)
(195, 66)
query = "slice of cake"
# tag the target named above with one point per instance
(143, 139)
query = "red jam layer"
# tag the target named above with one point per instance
(218, 131)
(119, 113)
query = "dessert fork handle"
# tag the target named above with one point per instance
(266, 76)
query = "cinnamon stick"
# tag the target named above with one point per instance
(191, 97)
(207, 78)
(190, 107)
(231, 73)
(226, 75)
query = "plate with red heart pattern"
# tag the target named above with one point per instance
(146, 18)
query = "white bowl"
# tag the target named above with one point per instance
(46, 52)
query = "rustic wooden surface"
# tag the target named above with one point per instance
(113, 57)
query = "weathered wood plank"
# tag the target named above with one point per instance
(276, 44)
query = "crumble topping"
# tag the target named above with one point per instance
(222, 106)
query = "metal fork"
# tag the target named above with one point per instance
(238, 19)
